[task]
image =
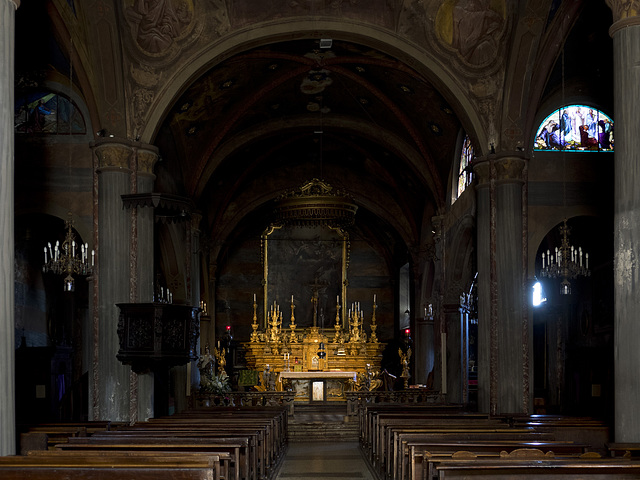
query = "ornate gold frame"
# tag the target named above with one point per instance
(344, 236)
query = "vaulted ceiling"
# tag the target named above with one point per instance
(266, 120)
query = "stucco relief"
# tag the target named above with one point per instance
(156, 24)
(162, 33)
(472, 27)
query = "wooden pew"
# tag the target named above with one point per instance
(420, 453)
(570, 469)
(170, 446)
(398, 456)
(623, 449)
(587, 430)
(46, 435)
(262, 450)
(220, 461)
(433, 460)
(110, 467)
(249, 460)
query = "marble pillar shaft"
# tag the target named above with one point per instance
(424, 348)
(145, 159)
(502, 356)
(113, 261)
(626, 54)
(457, 354)
(483, 197)
(7, 246)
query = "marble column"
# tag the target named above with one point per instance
(503, 329)
(625, 32)
(194, 230)
(110, 389)
(457, 346)
(144, 160)
(7, 247)
(424, 348)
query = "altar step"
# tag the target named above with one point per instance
(322, 423)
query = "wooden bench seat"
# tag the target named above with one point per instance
(251, 458)
(426, 470)
(557, 469)
(398, 451)
(167, 446)
(110, 467)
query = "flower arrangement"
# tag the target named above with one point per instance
(218, 384)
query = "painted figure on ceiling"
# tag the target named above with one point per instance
(157, 23)
(472, 27)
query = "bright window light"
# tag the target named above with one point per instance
(538, 295)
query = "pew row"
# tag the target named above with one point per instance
(109, 467)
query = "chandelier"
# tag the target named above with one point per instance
(566, 262)
(316, 203)
(63, 259)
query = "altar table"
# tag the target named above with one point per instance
(318, 386)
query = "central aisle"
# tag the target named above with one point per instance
(310, 460)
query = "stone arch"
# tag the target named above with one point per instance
(236, 42)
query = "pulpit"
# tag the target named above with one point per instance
(155, 337)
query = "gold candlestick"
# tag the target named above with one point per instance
(292, 336)
(374, 336)
(254, 335)
(338, 326)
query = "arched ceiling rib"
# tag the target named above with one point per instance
(276, 116)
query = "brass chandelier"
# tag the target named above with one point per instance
(62, 259)
(566, 262)
(316, 203)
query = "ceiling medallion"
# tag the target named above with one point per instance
(316, 203)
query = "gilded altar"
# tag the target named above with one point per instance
(306, 253)
(342, 359)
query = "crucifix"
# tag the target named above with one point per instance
(314, 299)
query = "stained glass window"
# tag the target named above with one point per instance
(49, 113)
(577, 128)
(464, 173)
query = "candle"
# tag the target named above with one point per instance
(587, 258)
(291, 298)
(374, 298)
(338, 299)
(543, 260)
(93, 256)
(45, 254)
(254, 298)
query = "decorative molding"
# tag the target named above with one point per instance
(113, 155)
(509, 169)
(147, 158)
(624, 9)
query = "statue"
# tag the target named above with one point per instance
(220, 358)
(206, 366)
(404, 360)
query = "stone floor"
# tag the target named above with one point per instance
(318, 460)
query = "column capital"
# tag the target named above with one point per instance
(509, 169)
(147, 156)
(625, 13)
(113, 154)
(482, 170)
(16, 3)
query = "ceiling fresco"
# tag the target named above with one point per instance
(270, 118)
